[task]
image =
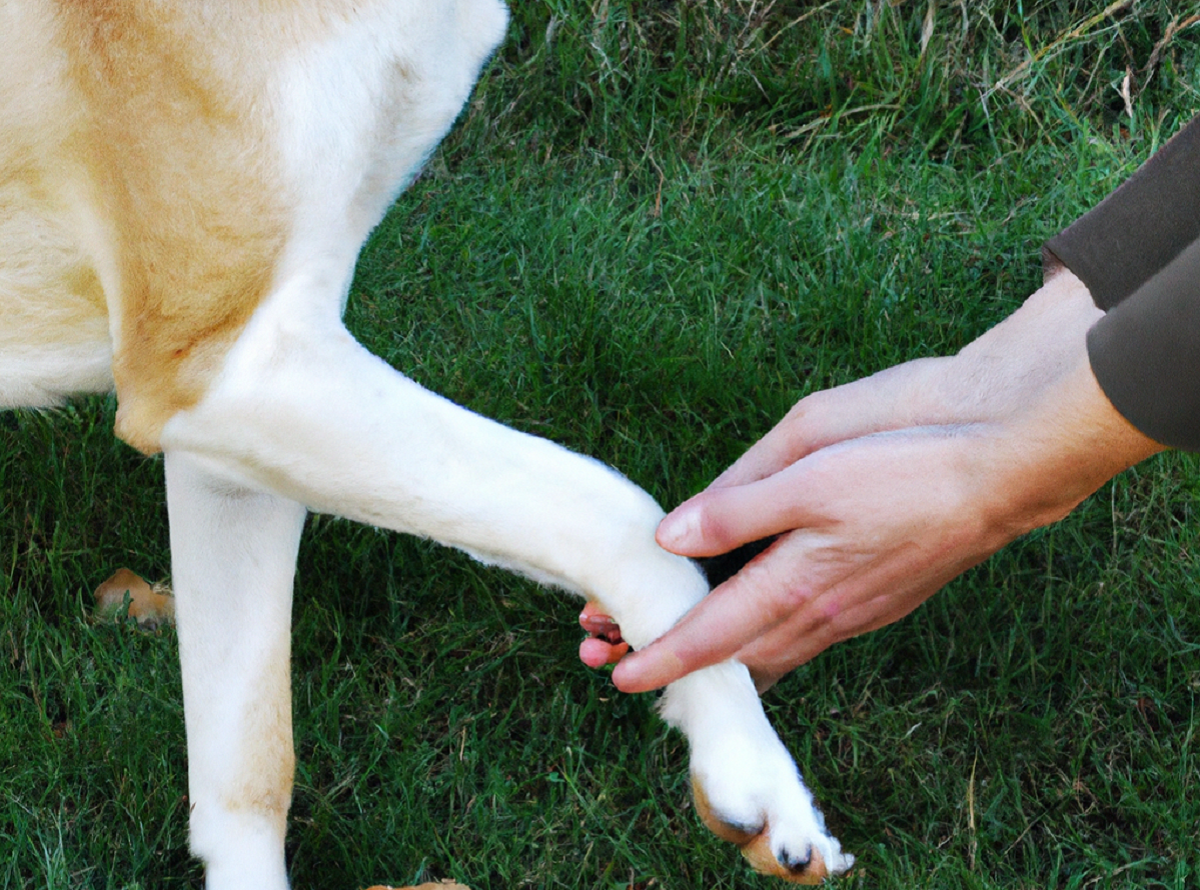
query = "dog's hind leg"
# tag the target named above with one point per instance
(233, 553)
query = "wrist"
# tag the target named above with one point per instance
(1061, 449)
(1044, 433)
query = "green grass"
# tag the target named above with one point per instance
(655, 227)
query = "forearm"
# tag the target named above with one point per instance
(1029, 382)
(1064, 438)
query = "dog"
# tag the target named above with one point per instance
(184, 189)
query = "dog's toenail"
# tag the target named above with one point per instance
(793, 863)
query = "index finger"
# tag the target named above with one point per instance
(720, 519)
(889, 399)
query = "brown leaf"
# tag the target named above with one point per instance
(149, 605)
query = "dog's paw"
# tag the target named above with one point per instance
(751, 795)
(747, 788)
(794, 847)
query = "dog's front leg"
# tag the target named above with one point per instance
(302, 410)
(233, 553)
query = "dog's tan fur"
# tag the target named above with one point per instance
(51, 296)
(161, 154)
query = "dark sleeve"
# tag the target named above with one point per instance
(1138, 252)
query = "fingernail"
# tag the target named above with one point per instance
(596, 623)
(625, 674)
(679, 527)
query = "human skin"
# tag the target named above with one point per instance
(885, 489)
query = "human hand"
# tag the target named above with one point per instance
(885, 489)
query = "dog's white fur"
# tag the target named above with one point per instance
(184, 189)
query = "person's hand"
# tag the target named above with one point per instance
(885, 489)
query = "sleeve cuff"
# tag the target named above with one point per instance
(1145, 353)
(1138, 252)
(1141, 227)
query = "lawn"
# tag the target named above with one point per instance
(656, 226)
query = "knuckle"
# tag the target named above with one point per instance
(794, 598)
(781, 595)
(714, 526)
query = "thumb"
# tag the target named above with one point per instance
(722, 519)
